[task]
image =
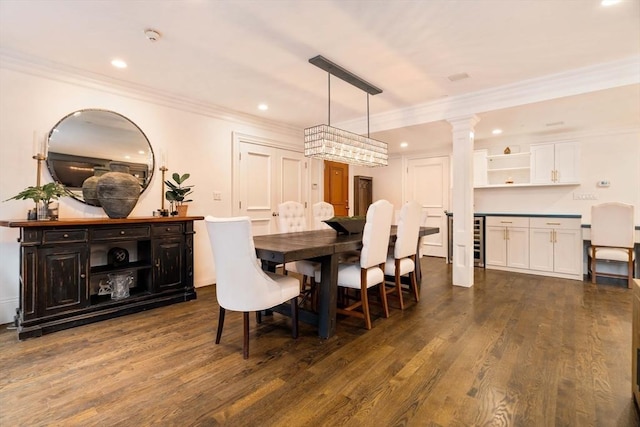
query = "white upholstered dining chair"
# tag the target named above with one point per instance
(241, 285)
(402, 259)
(292, 218)
(368, 271)
(321, 212)
(612, 238)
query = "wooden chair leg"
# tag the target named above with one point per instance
(258, 317)
(383, 295)
(245, 346)
(294, 317)
(414, 285)
(630, 268)
(364, 298)
(220, 325)
(399, 284)
(593, 265)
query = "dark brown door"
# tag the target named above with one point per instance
(362, 194)
(336, 186)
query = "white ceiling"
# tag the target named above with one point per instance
(238, 53)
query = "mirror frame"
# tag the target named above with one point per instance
(85, 162)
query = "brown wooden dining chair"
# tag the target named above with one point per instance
(612, 239)
(401, 261)
(368, 270)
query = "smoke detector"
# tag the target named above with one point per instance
(152, 35)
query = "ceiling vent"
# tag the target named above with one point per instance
(152, 35)
(457, 77)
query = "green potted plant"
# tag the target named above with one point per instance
(177, 193)
(42, 195)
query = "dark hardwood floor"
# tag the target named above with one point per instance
(514, 350)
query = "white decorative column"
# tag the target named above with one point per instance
(462, 196)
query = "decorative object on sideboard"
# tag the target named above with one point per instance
(43, 196)
(507, 150)
(118, 191)
(120, 283)
(163, 168)
(177, 193)
(89, 186)
(117, 257)
(509, 180)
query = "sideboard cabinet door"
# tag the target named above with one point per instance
(168, 255)
(62, 279)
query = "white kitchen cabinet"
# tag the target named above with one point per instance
(480, 168)
(555, 163)
(556, 246)
(507, 242)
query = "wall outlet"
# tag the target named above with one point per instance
(217, 195)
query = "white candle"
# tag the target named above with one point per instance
(163, 158)
(35, 144)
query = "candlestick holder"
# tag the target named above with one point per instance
(162, 210)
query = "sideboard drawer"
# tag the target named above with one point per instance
(64, 236)
(167, 229)
(120, 233)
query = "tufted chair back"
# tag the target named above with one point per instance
(322, 211)
(375, 236)
(291, 217)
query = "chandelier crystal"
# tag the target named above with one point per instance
(330, 143)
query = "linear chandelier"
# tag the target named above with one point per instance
(330, 143)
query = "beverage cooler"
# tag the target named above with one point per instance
(478, 239)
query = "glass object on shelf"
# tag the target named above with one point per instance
(120, 283)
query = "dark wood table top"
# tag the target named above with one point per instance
(287, 247)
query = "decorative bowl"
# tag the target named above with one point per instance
(347, 224)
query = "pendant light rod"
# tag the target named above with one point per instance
(333, 68)
(368, 136)
(329, 98)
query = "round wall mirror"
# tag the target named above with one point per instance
(89, 139)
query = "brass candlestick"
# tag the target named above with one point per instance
(163, 211)
(39, 157)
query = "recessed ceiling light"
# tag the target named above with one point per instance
(119, 63)
(609, 2)
(496, 131)
(404, 144)
(263, 107)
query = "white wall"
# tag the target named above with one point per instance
(197, 140)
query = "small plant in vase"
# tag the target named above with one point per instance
(42, 195)
(177, 193)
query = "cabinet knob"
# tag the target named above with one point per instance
(168, 229)
(65, 235)
(82, 276)
(122, 233)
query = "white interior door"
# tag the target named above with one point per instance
(266, 176)
(428, 184)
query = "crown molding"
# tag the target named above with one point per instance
(38, 67)
(574, 82)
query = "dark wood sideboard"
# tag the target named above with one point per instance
(63, 265)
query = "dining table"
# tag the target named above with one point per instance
(325, 247)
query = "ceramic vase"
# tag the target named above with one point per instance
(118, 191)
(89, 192)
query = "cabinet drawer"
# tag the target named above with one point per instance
(507, 221)
(556, 223)
(167, 229)
(64, 236)
(119, 233)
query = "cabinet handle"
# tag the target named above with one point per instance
(82, 275)
(551, 237)
(506, 222)
(553, 223)
(157, 263)
(555, 236)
